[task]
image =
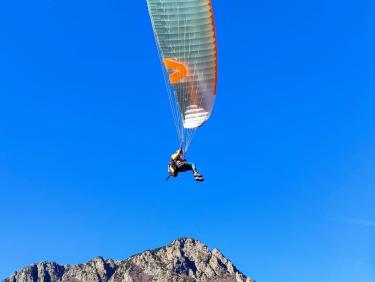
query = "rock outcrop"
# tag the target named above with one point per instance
(183, 260)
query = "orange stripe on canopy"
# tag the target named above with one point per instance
(180, 70)
(215, 41)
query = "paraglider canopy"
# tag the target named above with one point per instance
(185, 35)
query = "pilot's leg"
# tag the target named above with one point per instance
(197, 175)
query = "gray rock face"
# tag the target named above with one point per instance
(183, 260)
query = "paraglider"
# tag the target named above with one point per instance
(185, 35)
(178, 163)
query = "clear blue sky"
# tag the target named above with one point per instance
(288, 155)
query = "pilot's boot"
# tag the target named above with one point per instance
(198, 176)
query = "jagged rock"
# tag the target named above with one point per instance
(183, 260)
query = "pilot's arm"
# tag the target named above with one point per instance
(177, 155)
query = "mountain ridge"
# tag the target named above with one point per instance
(184, 259)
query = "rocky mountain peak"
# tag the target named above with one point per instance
(184, 259)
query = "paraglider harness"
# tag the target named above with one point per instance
(173, 168)
(180, 164)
